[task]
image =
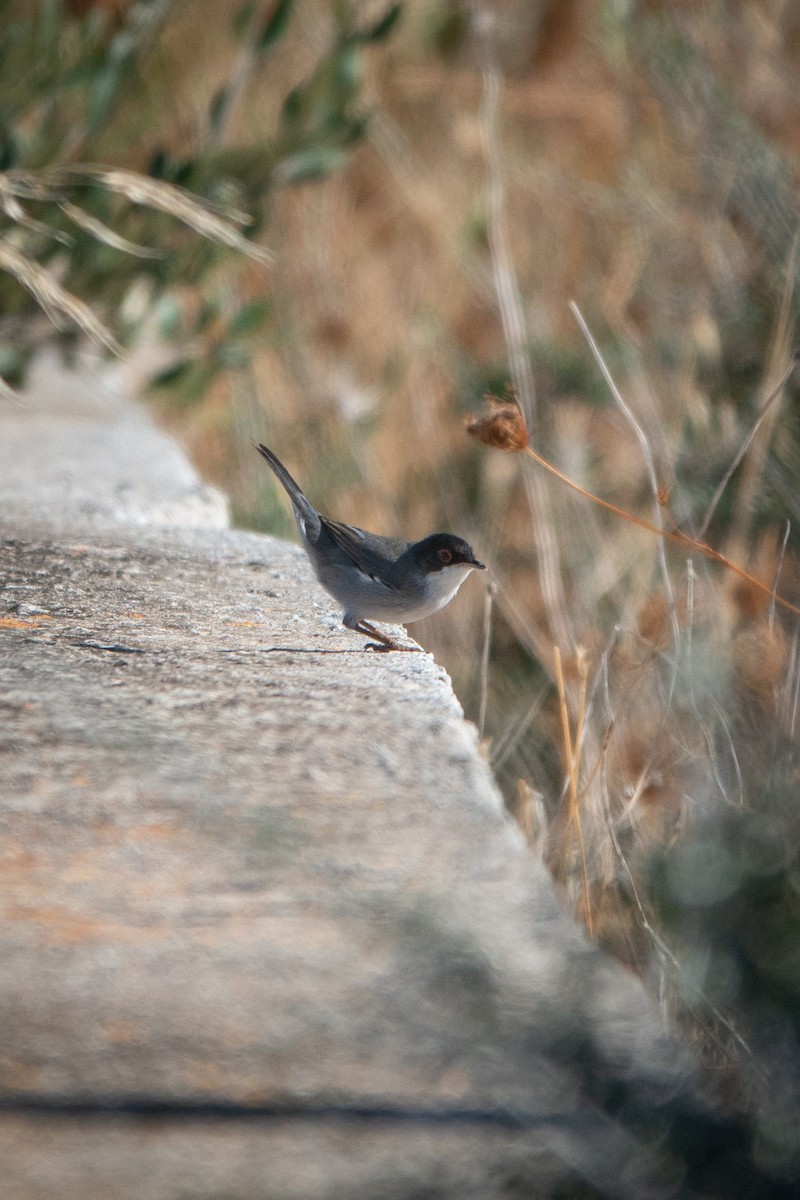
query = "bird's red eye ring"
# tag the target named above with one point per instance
(445, 556)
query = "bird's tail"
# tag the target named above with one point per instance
(303, 507)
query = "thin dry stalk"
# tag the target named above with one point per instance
(57, 302)
(482, 428)
(667, 958)
(167, 198)
(512, 316)
(780, 348)
(708, 736)
(528, 810)
(674, 535)
(529, 635)
(746, 444)
(12, 208)
(523, 808)
(505, 279)
(570, 751)
(587, 699)
(647, 454)
(510, 739)
(778, 570)
(795, 699)
(62, 306)
(583, 678)
(102, 232)
(488, 605)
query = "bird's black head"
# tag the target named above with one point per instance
(442, 550)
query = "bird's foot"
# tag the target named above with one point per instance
(390, 644)
(383, 643)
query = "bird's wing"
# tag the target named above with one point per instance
(376, 564)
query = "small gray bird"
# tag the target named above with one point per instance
(385, 578)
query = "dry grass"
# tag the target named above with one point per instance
(641, 168)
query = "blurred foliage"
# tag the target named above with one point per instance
(84, 83)
(728, 897)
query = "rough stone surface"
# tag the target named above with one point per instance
(266, 930)
(75, 454)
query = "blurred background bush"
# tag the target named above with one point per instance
(435, 182)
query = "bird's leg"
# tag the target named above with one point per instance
(383, 643)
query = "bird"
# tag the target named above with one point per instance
(374, 577)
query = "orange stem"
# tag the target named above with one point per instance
(674, 535)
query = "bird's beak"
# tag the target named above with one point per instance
(479, 566)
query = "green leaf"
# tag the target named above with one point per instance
(169, 316)
(250, 317)
(8, 149)
(218, 107)
(309, 164)
(173, 374)
(354, 130)
(294, 106)
(14, 362)
(346, 73)
(382, 27)
(209, 311)
(187, 381)
(102, 95)
(449, 30)
(275, 25)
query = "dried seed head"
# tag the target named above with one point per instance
(500, 424)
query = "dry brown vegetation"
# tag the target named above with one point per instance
(641, 161)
